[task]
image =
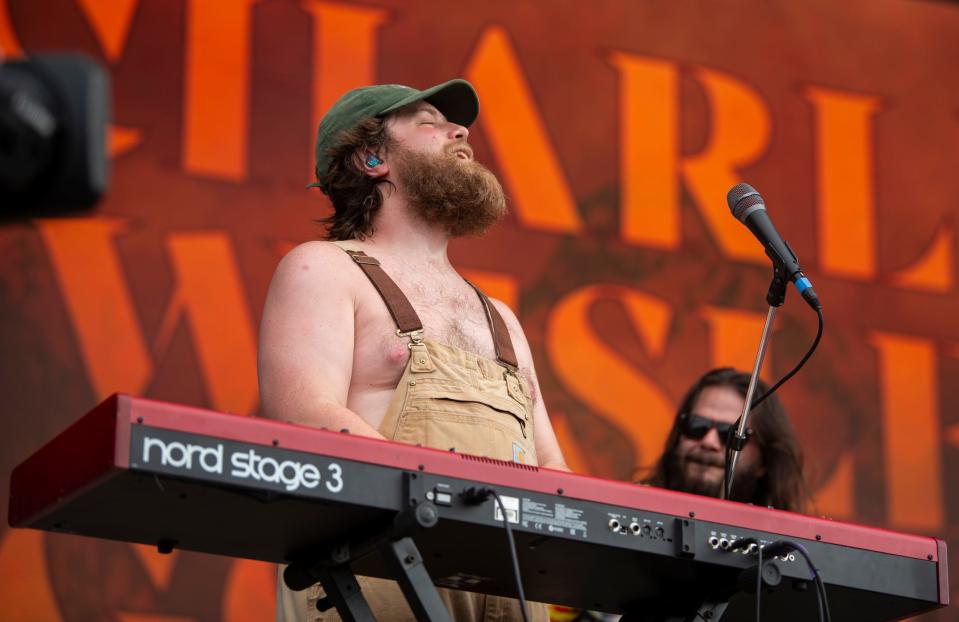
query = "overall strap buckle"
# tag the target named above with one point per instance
(416, 336)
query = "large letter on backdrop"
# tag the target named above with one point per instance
(651, 161)
(25, 590)
(648, 150)
(217, 88)
(250, 592)
(911, 432)
(602, 378)
(344, 51)
(739, 130)
(845, 177)
(111, 23)
(934, 270)
(208, 290)
(9, 43)
(531, 169)
(98, 302)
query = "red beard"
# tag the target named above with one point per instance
(462, 196)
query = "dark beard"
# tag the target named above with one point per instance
(744, 482)
(463, 197)
(700, 487)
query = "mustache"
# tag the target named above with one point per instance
(462, 145)
(706, 458)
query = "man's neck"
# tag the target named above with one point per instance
(399, 233)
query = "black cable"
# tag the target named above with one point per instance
(759, 400)
(821, 600)
(820, 586)
(513, 556)
(475, 496)
(759, 581)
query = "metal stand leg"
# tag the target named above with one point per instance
(408, 569)
(331, 565)
(343, 592)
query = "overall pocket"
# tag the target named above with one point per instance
(446, 415)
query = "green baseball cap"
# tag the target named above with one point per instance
(456, 99)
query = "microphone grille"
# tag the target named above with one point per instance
(741, 198)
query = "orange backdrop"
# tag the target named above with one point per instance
(617, 127)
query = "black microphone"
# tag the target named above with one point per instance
(747, 206)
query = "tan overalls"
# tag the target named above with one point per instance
(447, 398)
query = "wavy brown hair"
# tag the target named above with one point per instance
(355, 195)
(782, 486)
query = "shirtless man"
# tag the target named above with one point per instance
(376, 332)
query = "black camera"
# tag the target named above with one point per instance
(54, 114)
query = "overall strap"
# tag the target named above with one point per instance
(501, 338)
(400, 308)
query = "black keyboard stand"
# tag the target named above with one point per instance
(331, 567)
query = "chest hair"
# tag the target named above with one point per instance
(452, 313)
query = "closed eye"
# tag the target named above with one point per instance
(426, 116)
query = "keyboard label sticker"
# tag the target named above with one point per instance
(512, 509)
(554, 518)
(233, 462)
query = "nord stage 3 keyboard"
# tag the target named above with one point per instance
(142, 471)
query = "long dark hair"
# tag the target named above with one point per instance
(782, 485)
(356, 196)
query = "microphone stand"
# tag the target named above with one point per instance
(775, 297)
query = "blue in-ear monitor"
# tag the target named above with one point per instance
(372, 161)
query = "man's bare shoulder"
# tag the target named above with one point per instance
(315, 264)
(317, 253)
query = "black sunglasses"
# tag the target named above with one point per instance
(695, 427)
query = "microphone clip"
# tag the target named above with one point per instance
(776, 295)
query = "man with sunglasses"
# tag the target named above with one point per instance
(770, 468)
